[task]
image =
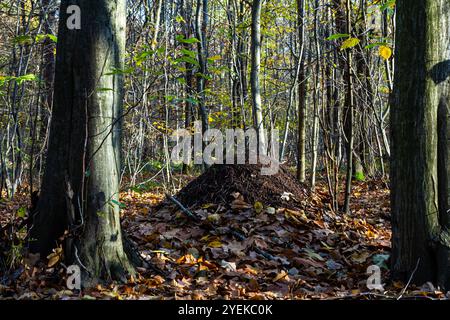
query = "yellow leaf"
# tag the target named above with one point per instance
(370, 234)
(214, 218)
(385, 52)
(54, 257)
(215, 244)
(280, 276)
(349, 43)
(187, 259)
(52, 260)
(214, 58)
(258, 207)
(205, 238)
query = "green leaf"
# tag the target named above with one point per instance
(189, 53)
(181, 80)
(390, 4)
(181, 39)
(116, 71)
(188, 60)
(27, 77)
(43, 37)
(52, 37)
(121, 205)
(169, 98)
(337, 36)
(22, 212)
(376, 44)
(359, 176)
(141, 57)
(23, 39)
(191, 40)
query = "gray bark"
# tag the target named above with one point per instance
(258, 119)
(81, 181)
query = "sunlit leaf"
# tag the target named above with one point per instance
(385, 52)
(350, 43)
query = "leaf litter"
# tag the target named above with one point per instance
(253, 237)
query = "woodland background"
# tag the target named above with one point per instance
(319, 71)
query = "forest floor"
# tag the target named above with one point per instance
(226, 244)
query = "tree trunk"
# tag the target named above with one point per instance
(316, 101)
(80, 187)
(186, 13)
(301, 152)
(201, 22)
(420, 238)
(158, 7)
(258, 119)
(348, 115)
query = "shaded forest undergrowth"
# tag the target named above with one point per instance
(231, 234)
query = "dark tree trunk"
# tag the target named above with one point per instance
(301, 104)
(419, 181)
(348, 116)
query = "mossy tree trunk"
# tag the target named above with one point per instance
(419, 156)
(81, 182)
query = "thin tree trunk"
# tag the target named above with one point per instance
(315, 127)
(201, 16)
(301, 152)
(258, 119)
(349, 115)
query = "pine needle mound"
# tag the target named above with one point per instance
(218, 184)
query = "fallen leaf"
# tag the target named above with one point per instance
(280, 276)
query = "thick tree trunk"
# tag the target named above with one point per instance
(81, 181)
(421, 88)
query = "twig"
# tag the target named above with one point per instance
(183, 208)
(409, 281)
